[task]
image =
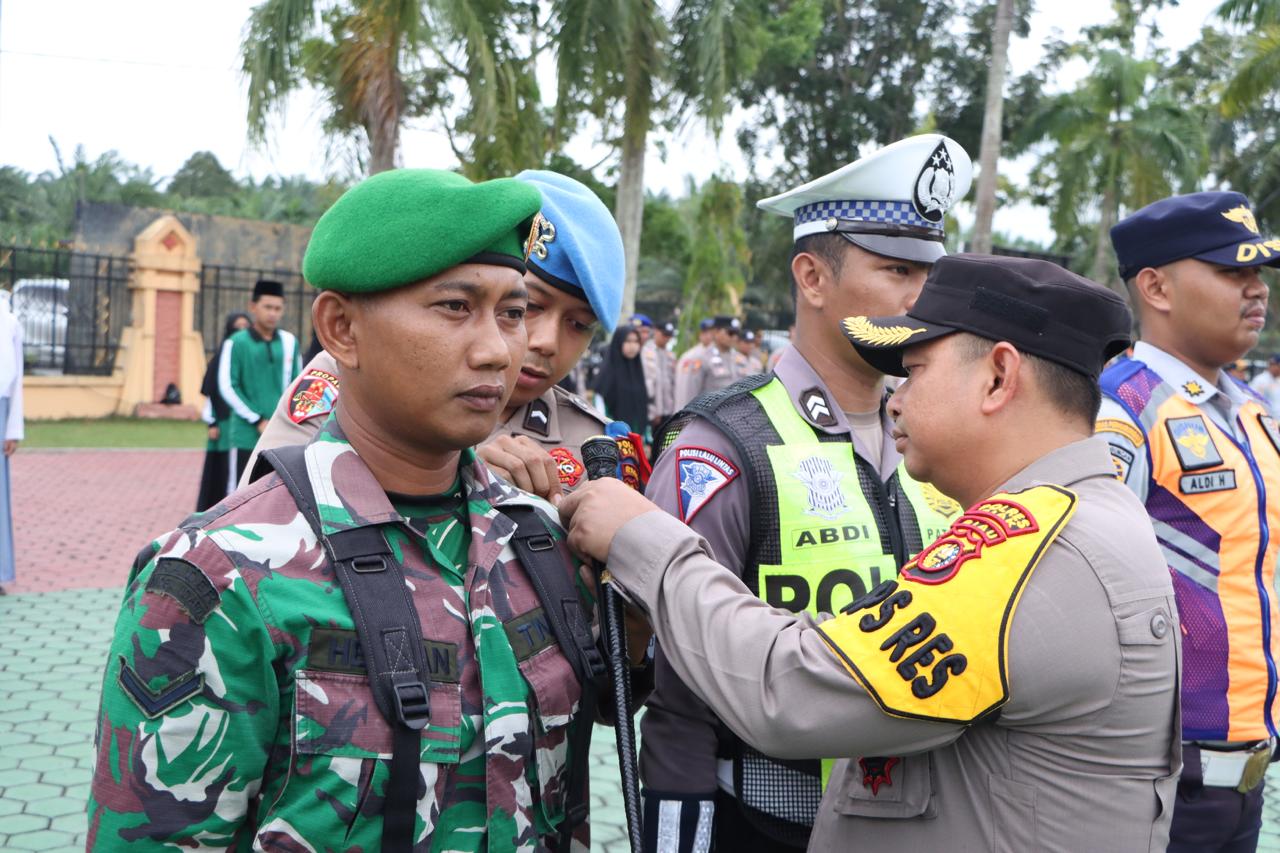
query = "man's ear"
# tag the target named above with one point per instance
(1151, 286)
(810, 272)
(1004, 364)
(334, 319)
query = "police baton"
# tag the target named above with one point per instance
(600, 458)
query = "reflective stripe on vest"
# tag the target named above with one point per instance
(830, 543)
(1215, 505)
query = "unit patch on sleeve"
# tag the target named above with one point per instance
(933, 644)
(1122, 458)
(1122, 428)
(185, 584)
(568, 468)
(313, 396)
(700, 474)
(1193, 443)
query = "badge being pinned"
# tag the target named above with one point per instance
(568, 468)
(700, 474)
(313, 396)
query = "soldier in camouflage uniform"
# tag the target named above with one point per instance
(236, 709)
(575, 282)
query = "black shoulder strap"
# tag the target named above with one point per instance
(560, 601)
(390, 635)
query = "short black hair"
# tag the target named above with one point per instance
(830, 247)
(1071, 391)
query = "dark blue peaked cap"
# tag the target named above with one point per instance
(1215, 227)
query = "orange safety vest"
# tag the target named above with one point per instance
(1214, 502)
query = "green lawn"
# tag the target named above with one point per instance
(114, 432)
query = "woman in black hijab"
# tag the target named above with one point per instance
(215, 481)
(620, 382)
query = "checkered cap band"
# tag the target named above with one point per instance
(890, 212)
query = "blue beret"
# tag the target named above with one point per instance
(575, 245)
(641, 320)
(706, 324)
(1215, 227)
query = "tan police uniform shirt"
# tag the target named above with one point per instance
(557, 420)
(659, 379)
(1083, 756)
(710, 369)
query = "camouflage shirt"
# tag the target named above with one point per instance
(235, 709)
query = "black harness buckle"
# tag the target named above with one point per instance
(413, 704)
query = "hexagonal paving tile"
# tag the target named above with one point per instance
(59, 737)
(75, 823)
(11, 778)
(39, 791)
(54, 807)
(21, 823)
(9, 805)
(27, 750)
(43, 763)
(46, 840)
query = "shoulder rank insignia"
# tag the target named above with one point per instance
(568, 468)
(817, 407)
(1193, 443)
(537, 417)
(313, 396)
(933, 644)
(700, 473)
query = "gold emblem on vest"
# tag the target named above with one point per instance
(1192, 443)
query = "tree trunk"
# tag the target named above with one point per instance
(992, 126)
(629, 207)
(1103, 271)
(382, 149)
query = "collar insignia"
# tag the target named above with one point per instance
(817, 407)
(1193, 443)
(536, 419)
(541, 233)
(1243, 216)
(820, 477)
(935, 187)
(1193, 388)
(877, 772)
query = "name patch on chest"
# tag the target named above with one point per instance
(529, 634)
(933, 644)
(338, 650)
(1209, 481)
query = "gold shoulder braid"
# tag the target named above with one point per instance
(867, 332)
(933, 644)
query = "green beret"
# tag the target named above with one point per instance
(405, 225)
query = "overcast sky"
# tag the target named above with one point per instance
(156, 80)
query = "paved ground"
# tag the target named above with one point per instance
(80, 517)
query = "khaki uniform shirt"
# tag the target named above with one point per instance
(1085, 753)
(708, 368)
(659, 380)
(557, 420)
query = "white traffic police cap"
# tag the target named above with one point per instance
(890, 202)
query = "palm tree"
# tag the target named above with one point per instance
(622, 56)
(1116, 141)
(1259, 73)
(370, 59)
(992, 117)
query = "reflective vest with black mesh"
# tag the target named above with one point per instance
(824, 529)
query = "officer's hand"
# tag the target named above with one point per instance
(262, 425)
(596, 512)
(10, 446)
(520, 461)
(214, 432)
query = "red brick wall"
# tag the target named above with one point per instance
(168, 341)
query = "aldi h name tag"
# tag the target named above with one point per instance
(1209, 481)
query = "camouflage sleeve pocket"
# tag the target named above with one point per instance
(335, 714)
(556, 695)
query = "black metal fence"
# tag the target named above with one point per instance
(225, 289)
(72, 307)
